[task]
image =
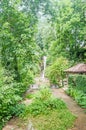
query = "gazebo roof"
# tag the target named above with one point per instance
(79, 68)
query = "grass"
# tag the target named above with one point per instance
(48, 113)
(56, 120)
(30, 96)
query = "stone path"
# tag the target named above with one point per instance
(80, 123)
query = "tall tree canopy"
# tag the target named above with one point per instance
(18, 48)
(70, 29)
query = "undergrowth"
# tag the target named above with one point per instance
(78, 96)
(47, 112)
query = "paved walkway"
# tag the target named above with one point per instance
(80, 123)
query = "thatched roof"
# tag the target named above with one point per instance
(80, 68)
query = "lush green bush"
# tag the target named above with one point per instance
(19, 58)
(8, 99)
(18, 109)
(30, 96)
(78, 82)
(55, 72)
(27, 77)
(48, 113)
(56, 120)
(44, 107)
(43, 103)
(10, 95)
(43, 94)
(77, 89)
(78, 96)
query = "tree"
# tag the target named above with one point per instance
(70, 28)
(55, 71)
(18, 49)
(19, 57)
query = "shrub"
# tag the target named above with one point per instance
(10, 94)
(78, 82)
(81, 100)
(48, 113)
(17, 109)
(77, 89)
(44, 103)
(27, 77)
(78, 96)
(8, 99)
(55, 72)
(30, 96)
(44, 94)
(56, 120)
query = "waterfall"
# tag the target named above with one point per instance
(44, 66)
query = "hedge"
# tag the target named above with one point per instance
(78, 82)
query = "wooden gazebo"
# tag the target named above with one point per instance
(77, 69)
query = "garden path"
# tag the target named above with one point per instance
(80, 123)
(16, 123)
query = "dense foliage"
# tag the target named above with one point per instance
(19, 57)
(69, 36)
(78, 82)
(44, 103)
(78, 96)
(8, 97)
(56, 120)
(29, 30)
(77, 89)
(55, 72)
(70, 29)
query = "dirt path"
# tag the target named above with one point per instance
(80, 123)
(16, 123)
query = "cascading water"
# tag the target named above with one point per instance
(44, 67)
(42, 78)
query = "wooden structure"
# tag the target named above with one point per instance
(77, 69)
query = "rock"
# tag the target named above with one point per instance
(30, 126)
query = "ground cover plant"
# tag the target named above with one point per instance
(78, 81)
(78, 96)
(30, 96)
(55, 72)
(77, 89)
(10, 96)
(48, 113)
